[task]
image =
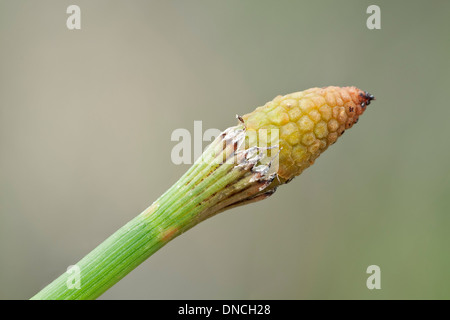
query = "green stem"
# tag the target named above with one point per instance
(205, 189)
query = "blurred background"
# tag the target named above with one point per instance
(86, 118)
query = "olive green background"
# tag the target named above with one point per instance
(86, 119)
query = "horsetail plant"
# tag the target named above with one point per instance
(245, 164)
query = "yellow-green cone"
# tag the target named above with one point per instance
(308, 122)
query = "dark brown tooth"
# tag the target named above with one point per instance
(369, 96)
